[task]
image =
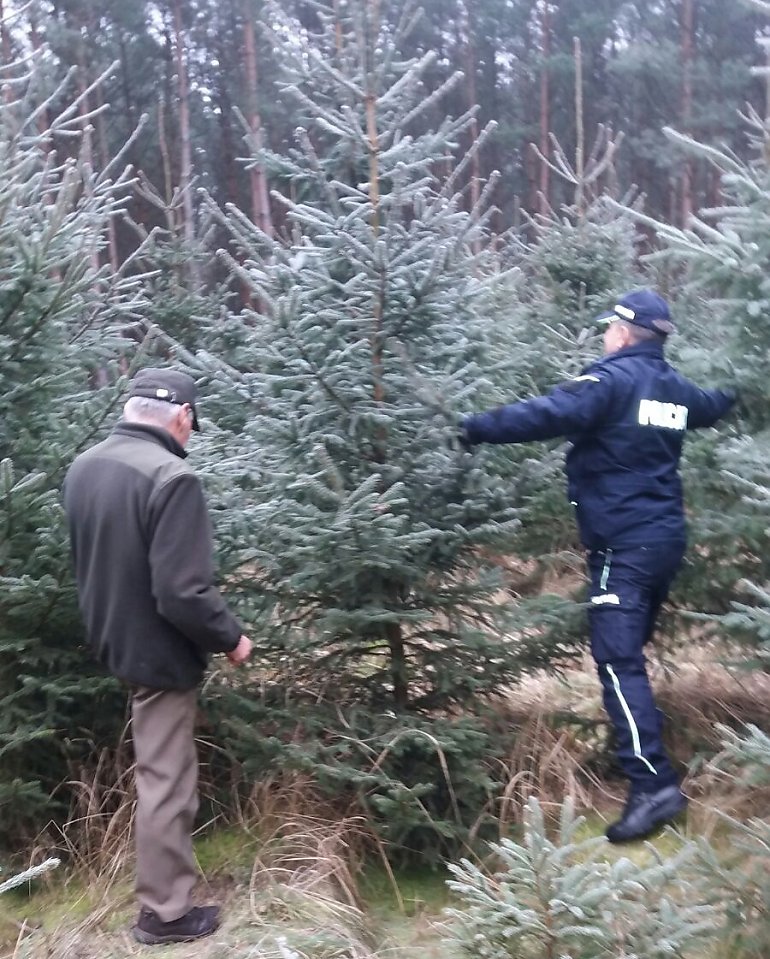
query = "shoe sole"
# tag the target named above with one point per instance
(151, 939)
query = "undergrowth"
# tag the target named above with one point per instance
(294, 864)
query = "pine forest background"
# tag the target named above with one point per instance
(352, 222)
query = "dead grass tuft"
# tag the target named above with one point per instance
(304, 845)
(698, 697)
(546, 761)
(96, 839)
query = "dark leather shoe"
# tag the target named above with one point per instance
(200, 921)
(645, 813)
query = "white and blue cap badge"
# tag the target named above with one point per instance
(642, 308)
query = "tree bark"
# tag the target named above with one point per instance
(394, 635)
(260, 201)
(580, 148)
(687, 23)
(104, 157)
(36, 41)
(87, 153)
(469, 58)
(185, 141)
(545, 118)
(398, 666)
(125, 82)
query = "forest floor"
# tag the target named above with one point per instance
(304, 894)
(291, 920)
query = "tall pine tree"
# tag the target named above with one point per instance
(368, 334)
(363, 543)
(57, 306)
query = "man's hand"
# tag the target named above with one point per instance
(241, 653)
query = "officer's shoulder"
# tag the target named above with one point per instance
(592, 378)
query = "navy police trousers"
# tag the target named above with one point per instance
(628, 587)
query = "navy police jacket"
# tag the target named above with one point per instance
(626, 416)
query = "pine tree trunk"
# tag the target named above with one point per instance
(687, 38)
(260, 202)
(338, 35)
(470, 87)
(185, 142)
(545, 119)
(224, 119)
(531, 171)
(87, 152)
(166, 155)
(165, 159)
(129, 103)
(488, 56)
(580, 198)
(101, 135)
(398, 666)
(393, 631)
(36, 43)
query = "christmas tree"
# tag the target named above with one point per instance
(362, 542)
(57, 306)
(368, 332)
(557, 895)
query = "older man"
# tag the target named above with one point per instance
(142, 550)
(626, 416)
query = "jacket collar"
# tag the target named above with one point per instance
(638, 349)
(153, 434)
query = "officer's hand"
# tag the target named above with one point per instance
(462, 438)
(242, 651)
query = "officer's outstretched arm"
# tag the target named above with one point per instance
(572, 407)
(707, 406)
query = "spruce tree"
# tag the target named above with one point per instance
(558, 895)
(367, 334)
(567, 270)
(57, 307)
(734, 874)
(363, 543)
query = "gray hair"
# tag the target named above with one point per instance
(640, 334)
(144, 409)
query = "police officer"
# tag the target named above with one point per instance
(626, 416)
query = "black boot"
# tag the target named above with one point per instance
(646, 812)
(200, 921)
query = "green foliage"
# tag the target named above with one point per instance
(735, 874)
(56, 305)
(567, 273)
(544, 897)
(425, 787)
(366, 336)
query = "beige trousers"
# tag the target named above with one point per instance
(167, 798)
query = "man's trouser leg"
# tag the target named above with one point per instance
(628, 587)
(167, 799)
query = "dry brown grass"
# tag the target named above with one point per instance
(95, 840)
(297, 894)
(546, 762)
(697, 692)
